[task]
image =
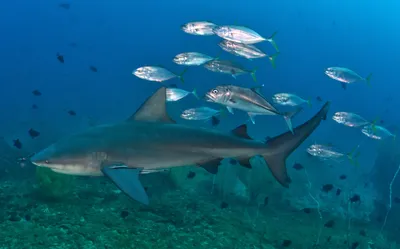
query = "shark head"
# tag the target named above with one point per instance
(219, 94)
(68, 158)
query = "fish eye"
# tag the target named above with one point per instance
(215, 91)
(47, 162)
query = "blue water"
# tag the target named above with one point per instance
(119, 36)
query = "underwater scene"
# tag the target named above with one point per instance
(199, 124)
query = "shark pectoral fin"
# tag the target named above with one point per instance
(230, 109)
(127, 180)
(252, 117)
(211, 166)
(245, 162)
(241, 131)
(154, 109)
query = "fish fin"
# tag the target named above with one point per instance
(241, 131)
(309, 103)
(283, 145)
(253, 74)
(154, 109)
(252, 117)
(127, 180)
(234, 76)
(344, 85)
(245, 162)
(368, 79)
(211, 166)
(353, 156)
(180, 76)
(215, 121)
(194, 92)
(257, 89)
(272, 59)
(288, 117)
(230, 109)
(272, 41)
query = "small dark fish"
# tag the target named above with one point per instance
(355, 245)
(124, 214)
(338, 191)
(355, 198)
(36, 93)
(286, 243)
(397, 200)
(342, 177)
(65, 6)
(232, 161)
(224, 205)
(329, 224)
(60, 58)
(327, 187)
(34, 106)
(33, 133)
(73, 44)
(319, 99)
(307, 210)
(266, 201)
(215, 121)
(363, 233)
(191, 175)
(17, 143)
(298, 166)
(71, 112)
(93, 69)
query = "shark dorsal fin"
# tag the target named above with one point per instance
(241, 131)
(154, 109)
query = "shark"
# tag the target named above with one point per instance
(150, 141)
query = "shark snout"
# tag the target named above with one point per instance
(42, 157)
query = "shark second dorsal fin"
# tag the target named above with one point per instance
(154, 109)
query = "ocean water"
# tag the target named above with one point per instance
(189, 207)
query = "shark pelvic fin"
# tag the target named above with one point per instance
(241, 131)
(211, 166)
(127, 180)
(154, 109)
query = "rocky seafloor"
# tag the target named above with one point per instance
(93, 213)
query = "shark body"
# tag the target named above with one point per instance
(150, 140)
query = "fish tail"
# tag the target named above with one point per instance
(253, 74)
(280, 147)
(180, 76)
(353, 156)
(194, 92)
(288, 118)
(272, 41)
(272, 59)
(368, 79)
(309, 103)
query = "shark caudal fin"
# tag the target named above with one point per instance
(280, 147)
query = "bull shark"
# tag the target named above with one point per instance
(150, 140)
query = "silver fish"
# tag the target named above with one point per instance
(327, 152)
(199, 28)
(345, 75)
(175, 94)
(192, 59)
(229, 67)
(243, 34)
(247, 51)
(156, 73)
(377, 132)
(289, 99)
(200, 113)
(151, 140)
(249, 100)
(349, 119)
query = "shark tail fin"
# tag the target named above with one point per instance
(288, 117)
(272, 59)
(283, 145)
(368, 79)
